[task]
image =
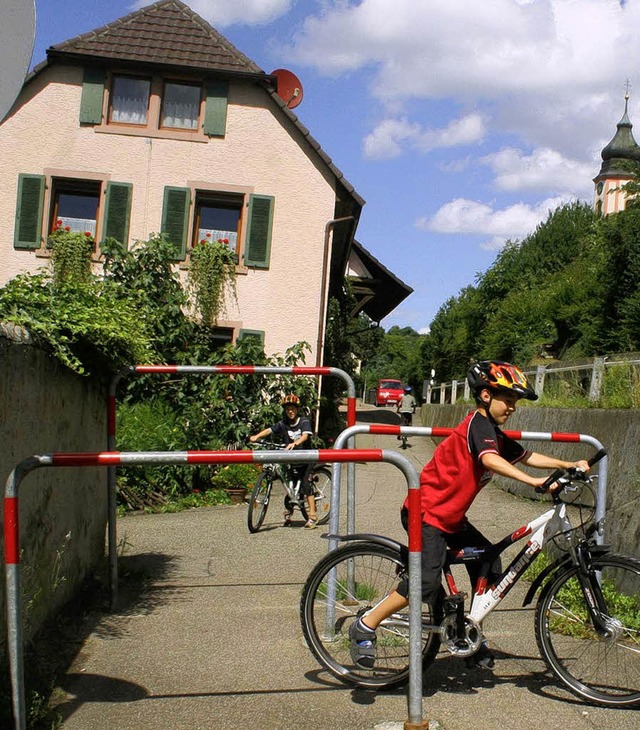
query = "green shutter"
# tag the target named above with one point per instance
(259, 225)
(117, 212)
(92, 96)
(256, 334)
(28, 224)
(175, 218)
(215, 112)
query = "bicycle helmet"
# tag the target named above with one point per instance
(407, 389)
(500, 376)
(291, 400)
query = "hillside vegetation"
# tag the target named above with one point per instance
(570, 289)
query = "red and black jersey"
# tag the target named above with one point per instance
(451, 480)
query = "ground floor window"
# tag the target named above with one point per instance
(75, 205)
(217, 218)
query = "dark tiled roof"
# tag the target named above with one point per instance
(168, 33)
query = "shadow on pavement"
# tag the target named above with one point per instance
(379, 415)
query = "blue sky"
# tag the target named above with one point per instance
(460, 123)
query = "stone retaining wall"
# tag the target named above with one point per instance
(63, 512)
(617, 430)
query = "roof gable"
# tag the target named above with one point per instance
(167, 33)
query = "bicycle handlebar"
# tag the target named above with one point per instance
(275, 445)
(572, 473)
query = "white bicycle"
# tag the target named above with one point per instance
(587, 618)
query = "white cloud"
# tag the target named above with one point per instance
(544, 169)
(221, 13)
(422, 48)
(472, 217)
(546, 71)
(391, 135)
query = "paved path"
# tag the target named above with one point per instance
(208, 633)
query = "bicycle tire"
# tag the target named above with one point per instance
(603, 671)
(259, 502)
(322, 479)
(376, 569)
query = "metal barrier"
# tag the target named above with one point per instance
(112, 540)
(349, 433)
(112, 459)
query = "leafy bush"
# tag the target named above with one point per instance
(85, 325)
(236, 476)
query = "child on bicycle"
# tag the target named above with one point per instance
(293, 430)
(406, 407)
(461, 466)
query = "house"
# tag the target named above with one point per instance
(156, 123)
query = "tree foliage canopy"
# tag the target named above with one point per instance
(571, 288)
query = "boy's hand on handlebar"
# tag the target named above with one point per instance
(581, 465)
(290, 446)
(541, 487)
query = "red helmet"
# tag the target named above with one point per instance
(291, 400)
(500, 376)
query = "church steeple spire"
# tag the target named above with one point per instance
(616, 170)
(623, 145)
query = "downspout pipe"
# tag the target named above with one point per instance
(325, 284)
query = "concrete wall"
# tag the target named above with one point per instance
(617, 430)
(63, 512)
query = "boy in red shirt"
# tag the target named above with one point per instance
(461, 466)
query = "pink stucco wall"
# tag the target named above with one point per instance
(261, 153)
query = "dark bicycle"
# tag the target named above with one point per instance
(587, 618)
(281, 479)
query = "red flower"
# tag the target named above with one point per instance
(195, 491)
(225, 241)
(204, 240)
(59, 223)
(87, 233)
(208, 235)
(67, 228)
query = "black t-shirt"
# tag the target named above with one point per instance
(288, 431)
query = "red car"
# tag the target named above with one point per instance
(389, 392)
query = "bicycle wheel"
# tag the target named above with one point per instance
(604, 670)
(359, 575)
(259, 502)
(321, 478)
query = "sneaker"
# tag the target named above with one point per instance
(363, 645)
(287, 519)
(311, 523)
(482, 659)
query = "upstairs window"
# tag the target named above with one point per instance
(180, 106)
(129, 100)
(153, 105)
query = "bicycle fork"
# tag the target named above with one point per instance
(591, 588)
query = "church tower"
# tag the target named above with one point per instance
(617, 156)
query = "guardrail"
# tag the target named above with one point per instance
(112, 459)
(448, 392)
(348, 435)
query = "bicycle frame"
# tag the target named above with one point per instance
(486, 598)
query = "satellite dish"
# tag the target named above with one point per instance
(17, 36)
(289, 87)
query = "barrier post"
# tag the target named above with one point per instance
(108, 459)
(348, 437)
(112, 538)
